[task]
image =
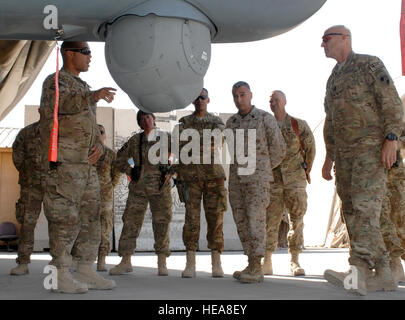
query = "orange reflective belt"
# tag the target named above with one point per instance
(402, 35)
(53, 142)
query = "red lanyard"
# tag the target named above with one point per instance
(402, 35)
(53, 143)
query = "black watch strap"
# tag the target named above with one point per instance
(391, 137)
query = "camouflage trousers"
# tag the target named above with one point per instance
(137, 203)
(294, 200)
(72, 207)
(213, 194)
(107, 222)
(249, 202)
(28, 209)
(361, 185)
(388, 229)
(393, 213)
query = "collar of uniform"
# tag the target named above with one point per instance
(70, 74)
(200, 118)
(285, 121)
(339, 67)
(250, 113)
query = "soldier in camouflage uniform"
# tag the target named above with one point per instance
(204, 182)
(363, 121)
(249, 192)
(27, 160)
(145, 189)
(108, 178)
(288, 191)
(392, 215)
(72, 192)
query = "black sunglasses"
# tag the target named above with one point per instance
(201, 97)
(85, 51)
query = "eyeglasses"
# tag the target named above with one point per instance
(201, 97)
(85, 51)
(102, 132)
(328, 36)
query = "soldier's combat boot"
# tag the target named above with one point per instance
(189, 271)
(66, 283)
(397, 270)
(237, 274)
(20, 270)
(101, 266)
(254, 273)
(295, 267)
(267, 264)
(217, 271)
(335, 278)
(162, 268)
(124, 266)
(87, 275)
(383, 279)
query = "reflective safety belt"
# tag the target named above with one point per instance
(53, 142)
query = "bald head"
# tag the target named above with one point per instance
(337, 42)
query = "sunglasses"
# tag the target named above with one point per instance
(328, 36)
(85, 51)
(102, 132)
(201, 97)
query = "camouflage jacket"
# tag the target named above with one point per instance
(290, 171)
(362, 106)
(27, 155)
(108, 175)
(269, 144)
(202, 171)
(78, 130)
(150, 173)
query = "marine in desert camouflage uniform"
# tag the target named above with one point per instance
(146, 189)
(27, 160)
(288, 191)
(72, 192)
(249, 187)
(392, 219)
(108, 177)
(204, 182)
(363, 121)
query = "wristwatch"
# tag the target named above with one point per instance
(391, 137)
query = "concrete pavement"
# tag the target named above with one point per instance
(144, 284)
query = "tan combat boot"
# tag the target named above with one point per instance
(162, 268)
(101, 266)
(124, 266)
(254, 273)
(383, 279)
(217, 271)
(295, 267)
(397, 270)
(267, 264)
(66, 283)
(87, 275)
(189, 271)
(20, 270)
(357, 286)
(237, 274)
